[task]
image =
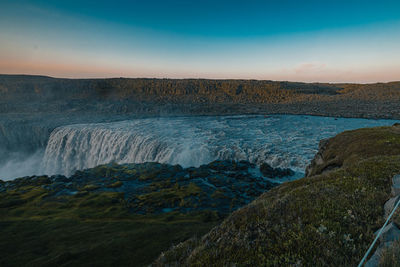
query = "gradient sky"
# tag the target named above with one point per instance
(308, 40)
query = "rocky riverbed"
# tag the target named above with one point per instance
(152, 188)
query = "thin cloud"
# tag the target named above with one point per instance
(308, 67)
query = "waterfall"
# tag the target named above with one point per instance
(77, 147)
(281, 141)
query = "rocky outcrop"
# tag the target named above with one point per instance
(389, 205)
(396, 185)
(270, 172)
(220, 186)
(391, 233)
(315, 166)
(348, 147)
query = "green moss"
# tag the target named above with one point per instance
(90, 187)
(38, 229)
(350, 147)
(169, 197)
(115, 185)
(218, 193)
(193, 189)
(137, 240)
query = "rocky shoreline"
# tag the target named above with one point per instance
(139, 210)
(153, 188)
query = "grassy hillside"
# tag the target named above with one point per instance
(87, 229)
(327, 219)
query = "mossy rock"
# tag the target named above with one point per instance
(115, 185)
(350, 147)
(90, 187)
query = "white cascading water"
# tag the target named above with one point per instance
(282, 141)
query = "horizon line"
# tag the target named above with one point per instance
(191, 78)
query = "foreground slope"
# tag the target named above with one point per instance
(113, 214)
(328, 218)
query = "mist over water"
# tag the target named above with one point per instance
(282, 141)
(21, 164)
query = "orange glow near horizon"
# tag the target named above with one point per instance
(307, 72)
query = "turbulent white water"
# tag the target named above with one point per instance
(281, 140)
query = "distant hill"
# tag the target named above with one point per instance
(196, 90)
(25, 93)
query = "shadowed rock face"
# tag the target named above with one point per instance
(318, 159)
(270, 172)
(396, 185)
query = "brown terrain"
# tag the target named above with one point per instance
(27, 94)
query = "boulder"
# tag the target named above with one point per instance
(376, 257)
(318, 159)
(396, 185)
(389, 205)
(270, 172)
(229, 165)
(390, 233)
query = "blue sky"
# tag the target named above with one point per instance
(325, 41)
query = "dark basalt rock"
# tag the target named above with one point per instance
(229, 165)
(220, 186)
(318, 159)
(270, 172)
(2, 187)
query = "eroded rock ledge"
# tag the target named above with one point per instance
(152, 188)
